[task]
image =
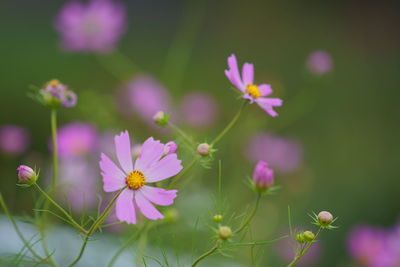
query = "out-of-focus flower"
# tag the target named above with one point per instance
(55, 94)
(78, 183)
(319, 62)
(149, 167)
(26, 175)
(263, 177)
(170, 148)
(76, 139)
(372, 247)
(198, 110)
(95, 26)
(283, 154)
(251, 91)
(147, 97)
(14, 140)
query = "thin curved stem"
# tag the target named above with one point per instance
(230, 125)
(208, 253)
(73, 222)
(127, 244)
(182, 173)
(304, 251)
(18, 231)
(55, 149)
(95, 225)
(182, 133)
(248, 220)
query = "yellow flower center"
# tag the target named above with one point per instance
(253, 90)
(53, 83)
(135, 180)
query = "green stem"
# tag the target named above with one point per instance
(248, 220)
(55, 149)
(182, 133)
(18, 231)
(182, 173)
(119, 65)
(230, 125)
(73, 222)
(128, 243)
(95, 225)
(208, 253)
(304, 251)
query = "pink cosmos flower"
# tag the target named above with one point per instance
(76, 139)
(251, 91)
(151, 166)
(147, 96)
(198, 109)
(14, 140)
(94, 26)
(319, 62)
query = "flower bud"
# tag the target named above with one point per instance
(170, 148)
(217, 218)
(300, 238)
(224, 232)
(204, 149)
(161, 119)
(26, 175)
(55, 94)
(308, 236)
(325, 218)
(263, 177)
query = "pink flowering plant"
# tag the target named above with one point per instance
(143, 182)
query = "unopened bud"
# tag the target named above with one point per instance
(26, 175)
(263, 176)
(217, 218)
(161, 119)
(224, 232)
(309, 236)
(204, 149)
(300, 238)
(170, 148)
(325, 218)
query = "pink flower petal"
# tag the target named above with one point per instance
(249, 97)
(265, 89)
(168, 166)
(125, 207)
(123, 149)
(233, 73)
(113, 177)
(146, 208)
(151, 152)
(267, 104)
(248, 74)
(159, 196)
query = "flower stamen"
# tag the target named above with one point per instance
(253, 90)
(135, 180)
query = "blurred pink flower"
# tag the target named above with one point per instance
(198, 109)
(14, 140)
(94, 26)
(147, 97)
(374, 247)
(56, 93)
(251, 91)
(76, 139)
(283, 154)
(149, 167)
(319, 62)
(78, 183)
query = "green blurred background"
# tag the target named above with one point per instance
(347, 120)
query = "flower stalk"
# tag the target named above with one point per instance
(208, 253)
(250, 217)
